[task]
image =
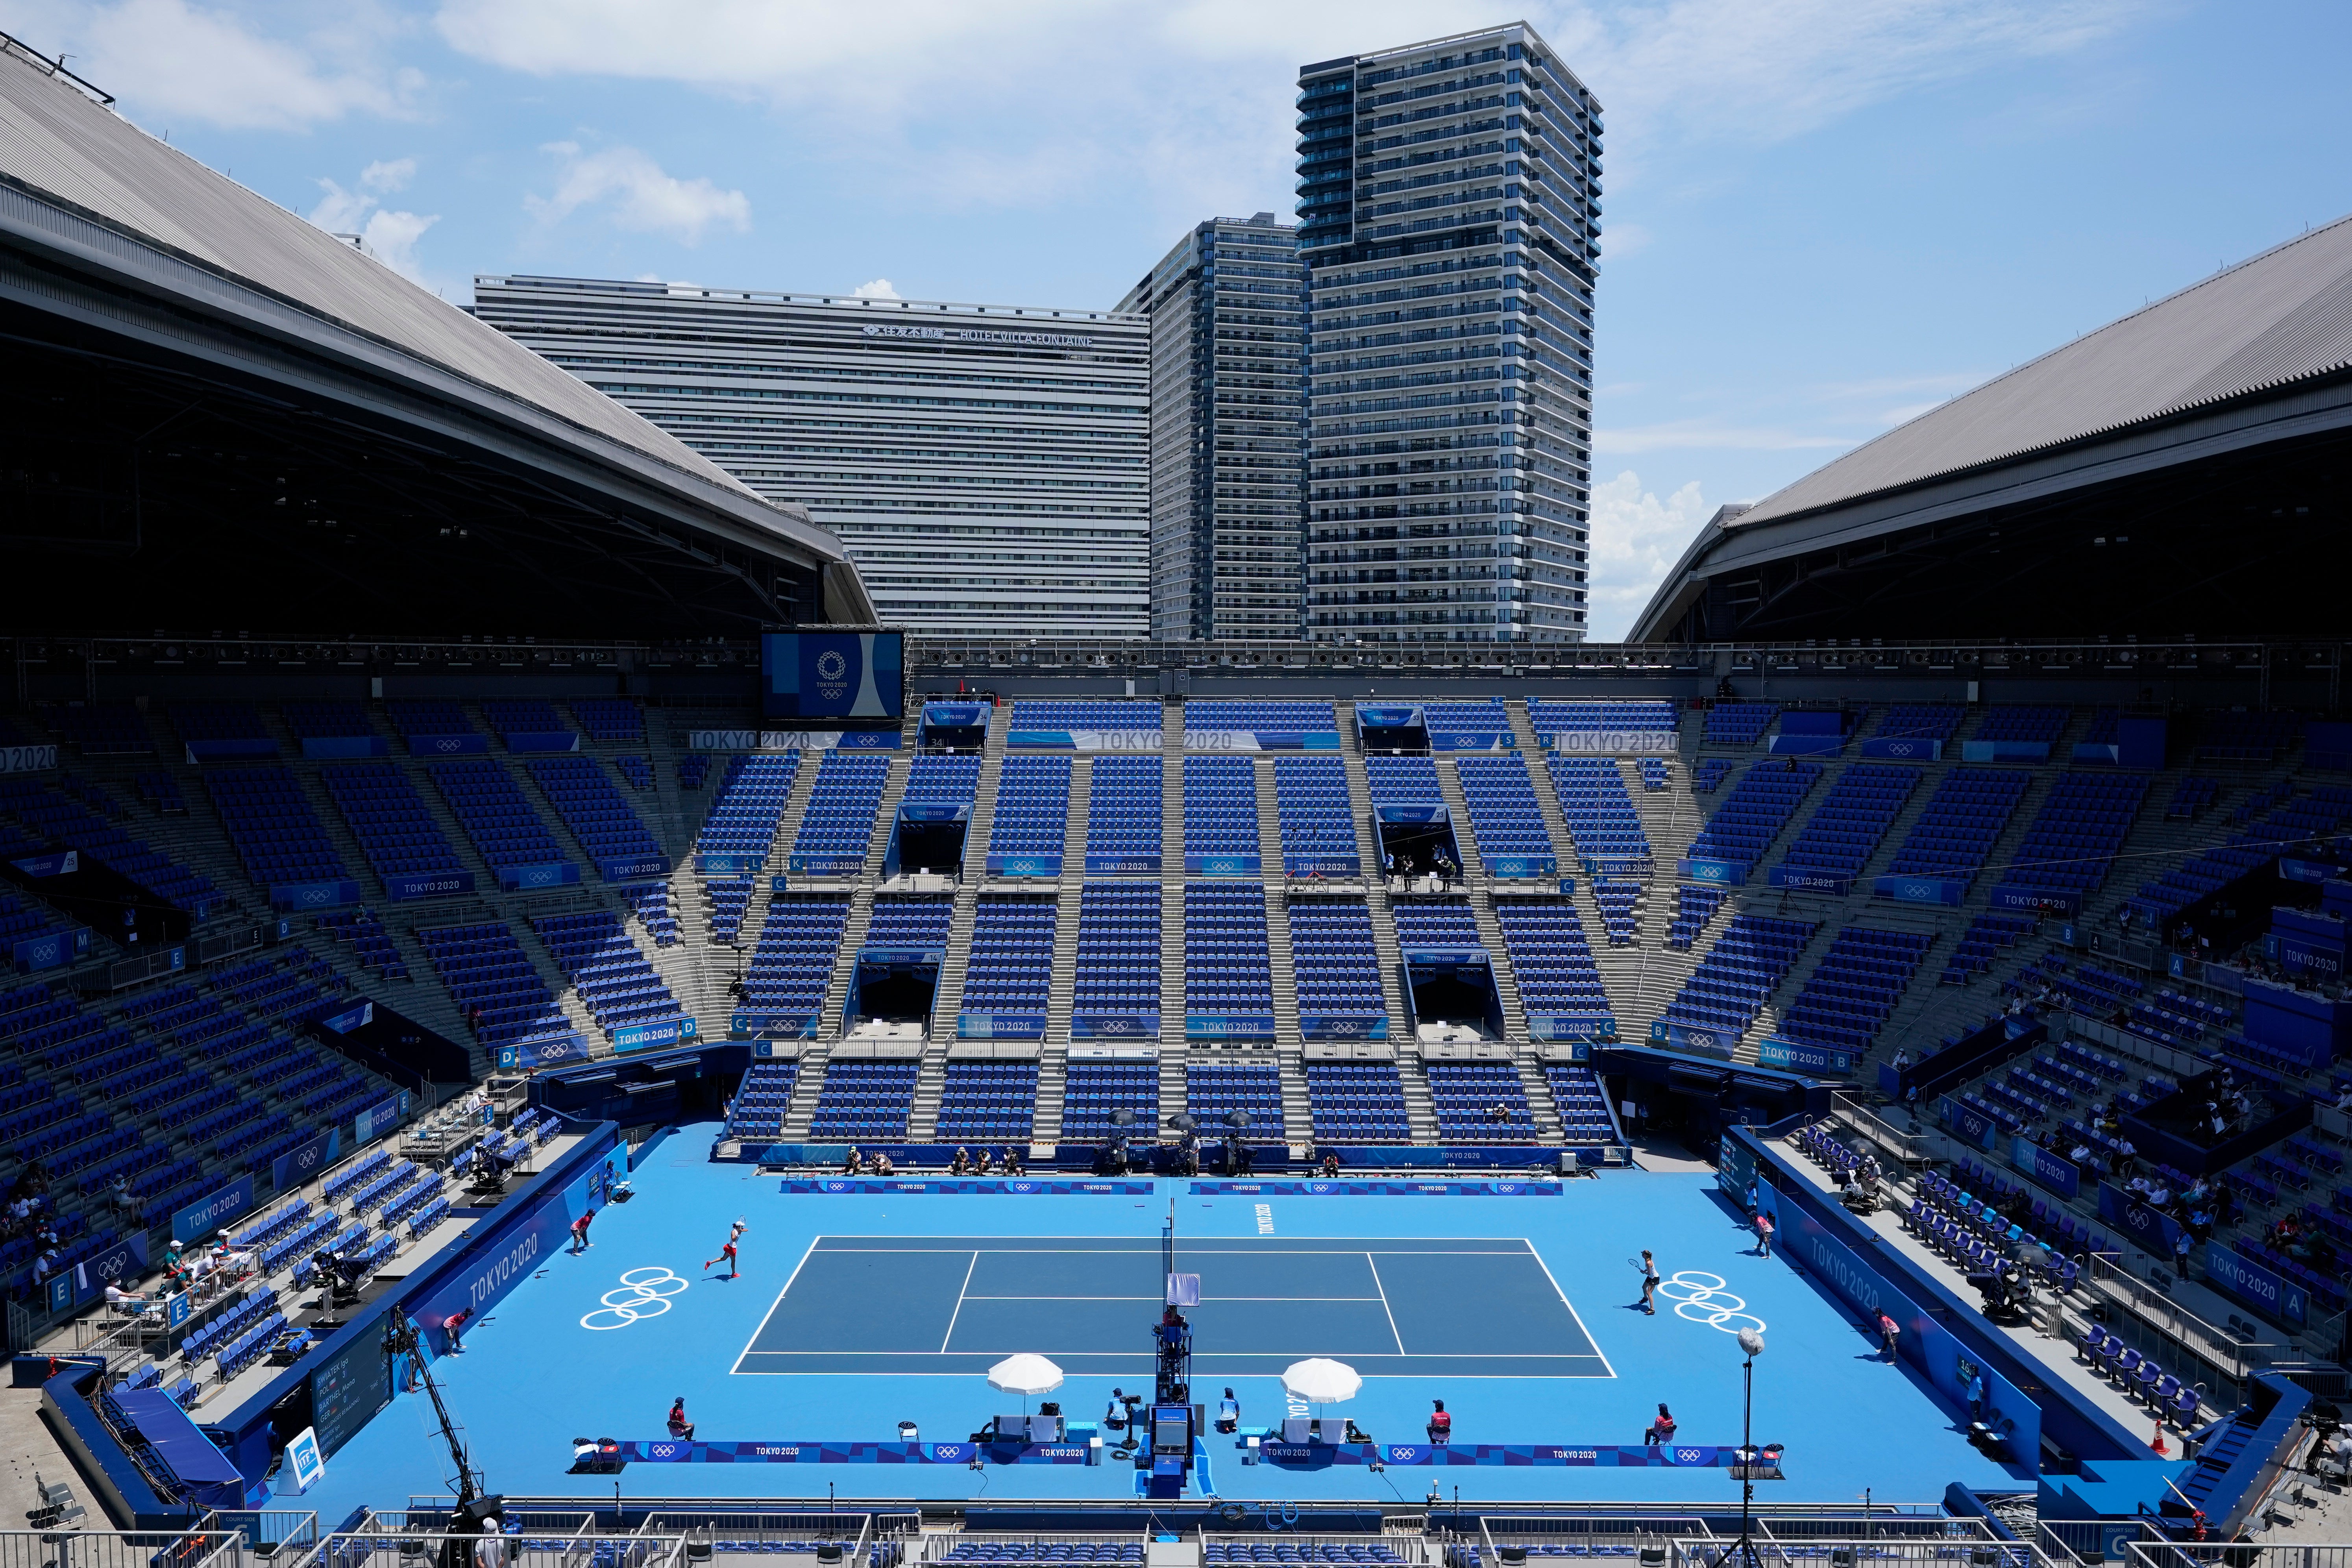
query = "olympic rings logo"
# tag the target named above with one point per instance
(644, 1293)
(1701, 1297)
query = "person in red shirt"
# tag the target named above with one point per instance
(1662, 1430)
(580, 1232)
(1441, 1425)
(727, 1253)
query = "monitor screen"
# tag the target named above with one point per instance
(1172, 1431)
(350, 1387)
(831, 675)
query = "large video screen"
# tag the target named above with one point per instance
(833, 675)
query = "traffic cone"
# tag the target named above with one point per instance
(2161, 1451)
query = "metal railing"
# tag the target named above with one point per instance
(370, 1548)
(1954, 1551)
(1847, 1107)
(1549, 1537)
(946, 1548)
(2230, 1358)
(269, 1530)
(732, 1533)
(1220, 1551)
(109, 1549)
(2088, 1541)
(2154, 1553)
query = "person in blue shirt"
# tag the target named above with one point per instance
(1977, 1396)
(1229, 1412)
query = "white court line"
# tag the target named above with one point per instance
(1155, 1300)
(1384, 1303)
(959, 1306)
(1572, 1312)
(771, 1308)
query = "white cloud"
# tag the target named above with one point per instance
(391, 237)
(1011, 103)
(879, 288)
(638, 194)
(1635, 537)
(168, 59)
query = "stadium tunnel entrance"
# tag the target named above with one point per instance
(1417, 839)
(893, 986)
(1451, 991)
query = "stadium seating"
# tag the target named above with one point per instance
(1853, 989)
(513, 717)
(1583, 1103)
(505, 828)
(1219, 805)
(762, 1100)
(1225, 944)
(1036, 715)
(863, 1099)
(484, 967)
(1480, 1102)
(327, 721)
(1755, 811)
(1094, 1088)
(1956, 831)
(606, 969)
(983, 1101)
(100, 729)
(1318, 818)
(1600, 814)
(610, 721)
(1216, 1089)
(270, 822)
(421, 722)
(599, 817)
(1118, 952)
(1847, 828)
(2041, 724)
(1357, 1102)
(1504, 820)
(1260, 718)
(1732, 981)
(792, 967)
(938, 778)
(1589, 718)
(837, 824)
(1011, 963)
(48, 814)
(1335, 965)
(1549, 957)
(381, 806)
(1919, 721)
(1739, 723)
(1436, 923)
(2074, 837)
(1033, 808)
(1123, 812)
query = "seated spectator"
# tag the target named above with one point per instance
(1662, 1430)
(960, 1164)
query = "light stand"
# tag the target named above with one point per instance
(1751, 1345)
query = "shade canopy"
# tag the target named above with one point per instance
(1321, 1381)
(1183, 1121)
(1024, 1374)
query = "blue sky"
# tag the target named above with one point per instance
(1821, 217)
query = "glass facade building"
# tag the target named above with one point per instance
(1449, 205)
(987, 466)
(1227, 400)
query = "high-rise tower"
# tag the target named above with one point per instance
(1449, 219)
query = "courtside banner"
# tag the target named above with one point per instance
(669, 1451)
(1367, 1189)
(1009, 1186)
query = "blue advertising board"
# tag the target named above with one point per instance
(722, 865)
(634, 867)
(1966, 1123)
(526, 1055)
(56, 863)
(2041, 901)
(1227, 1027)
(549, 874)
(1321, 1026)
(354, 1017)
(509, 1255)
(1813, 881)
(1025, 865)
(1685, 1037)
(470, 744)
(1732, 873)
(403, 885)
(2263, 1289)
(1573, 1025)
(1472, 741)
(1796, 1056)
(1521, 866)
(792, 1026)
(1902, 748)
(121, 1260)
(1001, 1025)
(835, 865)
(1114, 1026)
(1122, 865)
(2004, 751)
(639, 1036)
(540, 740)
(50, 950)
(831, 675)
(2154, 1231)
(1919, 890)
(2052, 1171)
(344, 748)
(304, 1161)
(1211, 865)
(208, 1215)
(1321, 865)
(333, 895)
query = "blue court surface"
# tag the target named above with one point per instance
(855, 1312)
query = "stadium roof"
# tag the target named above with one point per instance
(2216, 366)
(126, 236)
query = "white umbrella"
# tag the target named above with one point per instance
(1321, 1381)
(1024, 1374)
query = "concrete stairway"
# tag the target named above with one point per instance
(1376, 897)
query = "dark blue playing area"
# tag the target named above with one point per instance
(1392, 1306)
